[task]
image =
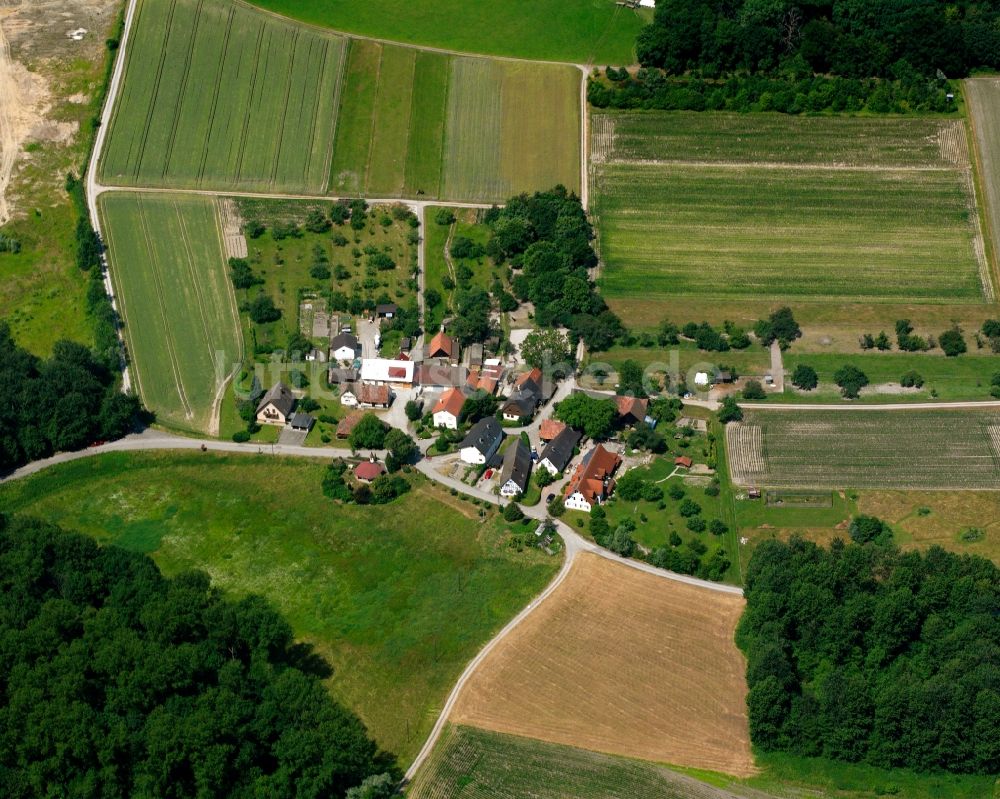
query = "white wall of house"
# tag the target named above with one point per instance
(472, 455)
(549, 466)
(271, 415)
(446, 419)
(509, 489)
(348, 399)
(344, 354)
(577, 502)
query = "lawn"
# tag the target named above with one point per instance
(475, 764)
(415, 123)
(732, 209)
(181, 323)
(911, 449)
(220, 95)
(476, 273)
(596, 31)
(398, 599)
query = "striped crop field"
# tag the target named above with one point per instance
(983, 95)
(758, 206)
(415, 123)
(219, 95)
(878, 449)
(181, 322)
(469, 763)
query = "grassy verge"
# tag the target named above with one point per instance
(397, 601)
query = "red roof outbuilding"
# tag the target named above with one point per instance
(368, 470)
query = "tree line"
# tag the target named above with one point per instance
(864, 653)
(64, 402)
(120, 682)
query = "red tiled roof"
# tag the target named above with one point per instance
(368, 470)
(683, 460)
(372, 395)
(535, 375)
(588, 479)
(348, 423)
(397, 371)
(550, 428)
(632, 405)
(451, 401)
(442, 344)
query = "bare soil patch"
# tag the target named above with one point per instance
(623, 662)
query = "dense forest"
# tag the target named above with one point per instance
(118, 682)
(865, 653)
(850, 38)
(546, 239)
(62, 403)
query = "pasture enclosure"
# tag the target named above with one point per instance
(769, 207)
(880, 449)
(666, 686)
(219, 95)
(415, 123)
(550, 30)
(475, 764)
(181, 322)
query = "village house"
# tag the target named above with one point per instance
(516, 468)
(631, 410)
(276, 405)
(683, 461)
(384, 371)
(348, 423)
(364, 395)
(482, 441)
(485, 378)
(449, 408)
(549, 429)
(368, 470)
(592, 481)
(559, 451)
(338, 375)
(440, 375)
(443, 346)
(344, 347)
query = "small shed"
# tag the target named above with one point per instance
(368, 471)
(683, 461)
(302, 421)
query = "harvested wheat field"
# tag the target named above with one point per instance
(623, 662)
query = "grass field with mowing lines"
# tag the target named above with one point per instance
(614, 661)
(220, 95)
(429, 125)
(918, 449)
(984, 108)
(397, 599)
(549, 30)
(181, 322)
(757, 207)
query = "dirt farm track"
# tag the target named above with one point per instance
(622, 662)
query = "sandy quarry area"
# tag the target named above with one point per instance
(624, 662)
(37, 37)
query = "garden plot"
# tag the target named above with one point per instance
(897, 449)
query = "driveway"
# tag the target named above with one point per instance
(366, 337)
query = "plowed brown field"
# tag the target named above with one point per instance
(623, 662)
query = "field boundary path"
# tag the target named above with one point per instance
(777, 368)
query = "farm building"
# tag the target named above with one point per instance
(441, 375)
(369, 470)
(344, 347)
(593, 480)
(387, 310)
(482, 441)
(449, 408)
(276, 405)
(631, 410)
(516, 468)
(338, 376)
(485, 378)
(443, 346)
(474, 355)
(365, 395)
(348, 423)
(683, 461)
(559, 452)
(383, 371)
(549, 429)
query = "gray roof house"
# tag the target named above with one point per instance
(559, 452)
(276, 405)
(482, 441)
(516, 468)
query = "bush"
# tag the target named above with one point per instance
(241, 436)
(851, 380)
(512, 512)
(730, 410)
(753, 390)
(263, 310)
(870, 529)
(717, 527)
(696, 524)
(689, 508)
(911, 379)
(952, 342)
